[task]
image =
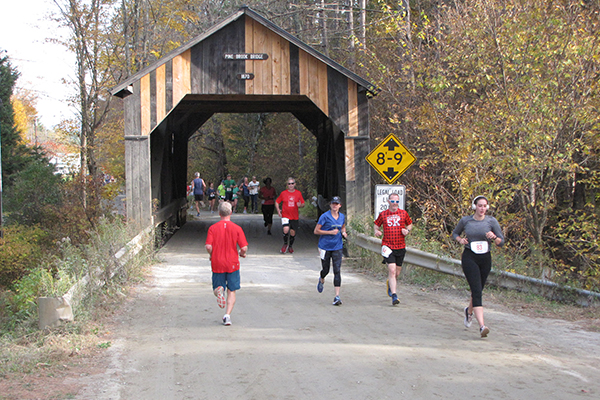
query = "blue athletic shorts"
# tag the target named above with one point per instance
(229, 280)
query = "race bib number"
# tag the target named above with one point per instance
(479, 247)
(322, 253)
(285, 221)
(386, 251)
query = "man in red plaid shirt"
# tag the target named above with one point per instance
(396, 225)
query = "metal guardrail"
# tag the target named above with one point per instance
(499, 278)
(52, 311)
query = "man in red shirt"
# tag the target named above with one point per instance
(396, 225)
(291, 200)
(222, 242)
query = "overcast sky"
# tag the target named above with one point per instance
(24, 30)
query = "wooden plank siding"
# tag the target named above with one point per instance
(131, 111)
(248, 46)
(294, 69)
(168, 86)
(271, 76)
(145, 104)
(139, 212)
(182, 83)
(352, 108)
(313, 80)
(152, 99)
(210, 73)
(161, 93)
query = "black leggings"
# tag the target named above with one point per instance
(476, 268)
(267, 210)
(336, 256)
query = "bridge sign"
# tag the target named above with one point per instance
(390, 158)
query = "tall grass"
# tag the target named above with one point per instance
(23, 347)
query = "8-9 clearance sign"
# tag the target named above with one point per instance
(390, 158)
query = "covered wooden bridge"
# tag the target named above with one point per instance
(245, 64)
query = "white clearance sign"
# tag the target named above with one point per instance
(382, 193)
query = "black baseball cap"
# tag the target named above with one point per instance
(336, 199)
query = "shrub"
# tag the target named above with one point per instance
(34, 189)
(21, 251)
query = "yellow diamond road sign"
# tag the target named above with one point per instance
(390, 158)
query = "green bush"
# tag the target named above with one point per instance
(34, 189)
(21, 251)
(20, 303)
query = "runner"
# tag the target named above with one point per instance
(212, 196)
(198, 187)
(396, 225)
(479, 230)
(291, 200)
(267, 194)
(222, 242)
(229, 184)
(253, 188)
(332, 228)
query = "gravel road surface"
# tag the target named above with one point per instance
(287, 341)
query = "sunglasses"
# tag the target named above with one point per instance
(291, 183)
(395, 201)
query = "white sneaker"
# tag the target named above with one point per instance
(484, 330)
(226, 320)
(468, 317)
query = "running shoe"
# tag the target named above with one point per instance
(337, 301)
(284, 248)
(387, 283)
(268, 232)
(220, 297)
(226, 320)
(484, 330)
(290, 250)
(197, 215)
(395, 299)
(320, 286)
(468, 317)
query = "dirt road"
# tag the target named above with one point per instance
(288, 342)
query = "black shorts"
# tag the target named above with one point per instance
(293, 224)
(198, 197)
(397, 257)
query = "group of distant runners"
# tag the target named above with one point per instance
(226, 242)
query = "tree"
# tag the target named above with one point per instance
(15, 154)
(87, 22)
(506, 104)
(24, 106)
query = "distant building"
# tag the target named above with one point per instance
(65, 163)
